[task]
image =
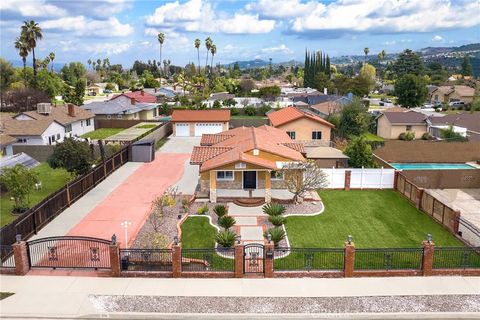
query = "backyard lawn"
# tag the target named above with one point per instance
(375, 219)
(102, 133)
(52, 180)
(197, 232)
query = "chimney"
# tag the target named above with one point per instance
(132, 101)
(71, 109)
(142, 93)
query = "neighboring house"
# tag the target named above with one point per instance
(218, 96)
(325, 109)
(6, 143)
(300, 124)
(187, 123)
(466, 123)
(123, 108)
(391, 124)
(245, 161)
(139, 96)
(446, 94)
(48, 125)
(327, 157)
(99, 88)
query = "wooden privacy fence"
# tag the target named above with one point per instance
(38, 216)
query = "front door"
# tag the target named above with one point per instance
(249, 179)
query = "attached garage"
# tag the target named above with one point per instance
(189, 123)
(182, 129)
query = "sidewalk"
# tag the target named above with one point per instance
(57, 297)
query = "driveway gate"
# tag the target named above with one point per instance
(69, 252)
(254, 258)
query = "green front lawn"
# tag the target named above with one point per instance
(102, 133)
(52, 180)
(375, 219)
(372, 137)
(198, 233)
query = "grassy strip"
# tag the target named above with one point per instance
(102, 133)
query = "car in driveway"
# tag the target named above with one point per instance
(456, 104)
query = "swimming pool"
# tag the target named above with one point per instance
(431, 166)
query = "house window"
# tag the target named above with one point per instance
(224, 175)
(81, 123)
(155, 112)
(240, 165)
(68, 128)
(317, 135)
(409, 128)
(119, 116)
(58, 136)
(22, 140)
(436, 97)
(276, 175)
(89, 122)
(291, 134)
(109, 117)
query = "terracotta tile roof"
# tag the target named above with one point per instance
(241, 140)
(410, 117)
(295, 146)
(211, 139)
(60, 114)
(212, 115)
(289, 114)
(139, 96)
(204, 153)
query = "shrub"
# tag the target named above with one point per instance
(19, 181)
(225, 238)
(276, 233)
(220, 210)
(250, 111)
(226, 222)
(264, 109)
(277, 221)
(185, 204)
(234, 111)
(426, 136)
(273, 209)
(203, 209)
(407, 136)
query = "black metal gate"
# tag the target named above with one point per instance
(69, 253)
(254, 258)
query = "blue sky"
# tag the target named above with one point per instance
(125, 30)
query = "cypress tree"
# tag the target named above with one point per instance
(328, 66)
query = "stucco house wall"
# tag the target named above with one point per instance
(304, 127)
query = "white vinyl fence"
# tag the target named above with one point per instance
(361, 178)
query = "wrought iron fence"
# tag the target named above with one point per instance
(214, 259)
(146, 259)
(7, 256)
(69, 252)
(456, 258)
(389, 259)
(308, 259)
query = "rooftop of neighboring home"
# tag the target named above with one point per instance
(208, 115)
(139, 96)
(404, 118)
(324, 153)
(238, 144)
(461, 90)
(327, 108)
(64, 115)
(121, 105)
(470, 121)
(14, 127)
(221, 96)
(289, 114)
(6, 140)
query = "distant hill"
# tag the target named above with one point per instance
(470, 48)
(19, 63)
(259, 63)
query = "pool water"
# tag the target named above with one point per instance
(431, 166)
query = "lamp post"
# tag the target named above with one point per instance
(349, 239)
(125, 224)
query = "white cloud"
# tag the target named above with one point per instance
(390, 43)
(33, 9)
(437, 38)
(280, 8)
(280, 49)
(387, 16)
(173, 40)
(200, 16)
(82, 26)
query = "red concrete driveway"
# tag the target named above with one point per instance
(132, 200)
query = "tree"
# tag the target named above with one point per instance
(411, 90)
(408, 62)
(161, 40)
(24, 99)
(72, 72)
(52, 57)
(450, 135)
(247, 85)
(6, 77)
(208, 45)
(466, 66)
(366, 50)
(368, 72)
(354, 119)
(22, 46)
(197, 46)
(75, 95)
(476, 100)
(359, 153)
(32, 32)
(302, 177)
(73, 155)
(19, 181)
(269, 93)
(213, 51)
(50, 83)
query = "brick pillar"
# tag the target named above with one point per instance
(268, 186)
(213, 186)
(427, 262)
(20, 255)
(418, 198)
(177, 260)
(115, 263)
(239, 265)
(456, 220)
(269, 256)
(348, 175)
(349, 259)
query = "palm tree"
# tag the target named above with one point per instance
(366, 51)
(22, 47)
(45, 63)
(52, 57)
(208, 45)
(89, 61)
(93, 65)
(381, 57)
(213, 50)
(161, 39)
(197, 46)
(32, 32)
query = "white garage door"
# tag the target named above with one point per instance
(201, 128)
(182, 129)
